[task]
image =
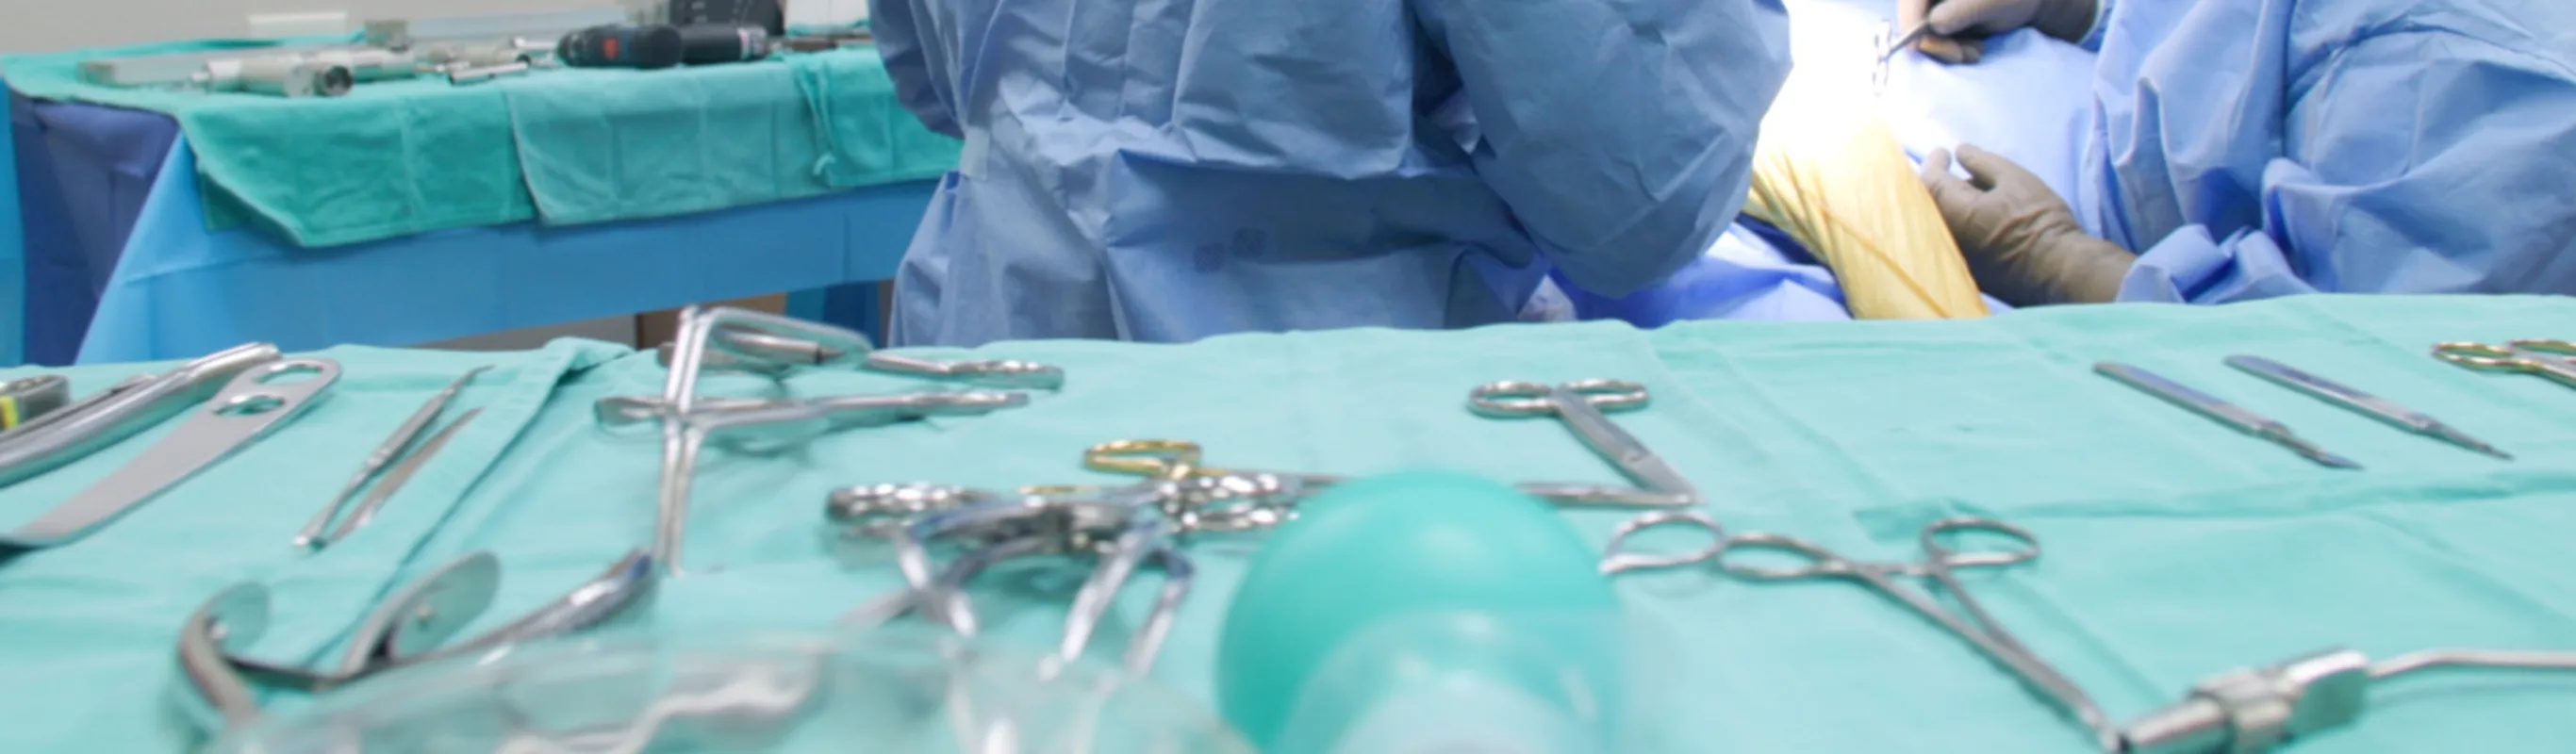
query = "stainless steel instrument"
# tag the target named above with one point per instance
(1581, 406)
(394, 446)
(2366, 404)
(409, 627)
(74, 432)
(247, 409)
(2222, 412)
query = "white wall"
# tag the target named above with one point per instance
(52, 25)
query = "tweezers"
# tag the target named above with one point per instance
(402, 440)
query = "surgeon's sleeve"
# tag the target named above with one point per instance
(899, 35)
(2418, 162)
(1620, 132)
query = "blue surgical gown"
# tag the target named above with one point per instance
(1171, 169)
(2255, 148)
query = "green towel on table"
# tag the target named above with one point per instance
(564, 146)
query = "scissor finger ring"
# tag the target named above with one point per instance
(2026, 545)
(1154, 458)
(1621, 561)
(2479, 356)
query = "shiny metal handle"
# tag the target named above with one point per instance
(2330, 391)
(2196, 401)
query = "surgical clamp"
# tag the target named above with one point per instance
(1166, 459)
(2373, 406)
(2220, 411)
(750, 350)
(2554, 359)
(765, 342)
(2248, 711)
(402, 440)
(72, 433)
(1580, 406)
(410, 627)
(1939, 565)
(1120, 534)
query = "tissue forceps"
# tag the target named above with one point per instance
(2554, 359)
(405, 438)
(1939, 565)
(1581, 406)
(1174, 459)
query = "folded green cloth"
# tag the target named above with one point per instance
(564, 146)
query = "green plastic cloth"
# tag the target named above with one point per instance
(561, 146)
(2176, 548)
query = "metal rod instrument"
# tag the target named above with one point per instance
(2373, 406)
(2254, 710)
(2221, 411)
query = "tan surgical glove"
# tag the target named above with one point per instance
(2022, 243)
(2069, 20)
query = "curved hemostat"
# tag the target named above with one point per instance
(410, 627)
(758, 343)
(1120, 534)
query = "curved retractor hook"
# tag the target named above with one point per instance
(409, 627)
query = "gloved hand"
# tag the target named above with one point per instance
(2022, 243)
(2069, 20)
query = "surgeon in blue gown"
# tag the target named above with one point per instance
(2245, 149)
(1165, 170)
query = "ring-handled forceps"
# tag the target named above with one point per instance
(409, 627)
(1119, 533)
(1939, 565)
(1178, 459)
(770, 344)
(771, 425)
(740, 349)
(2554, 359)
(2253, 710)
(1582, 407)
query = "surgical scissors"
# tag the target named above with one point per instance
(1939, 565)
(1580, 405)
(2554, 359)
(1174, 459)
